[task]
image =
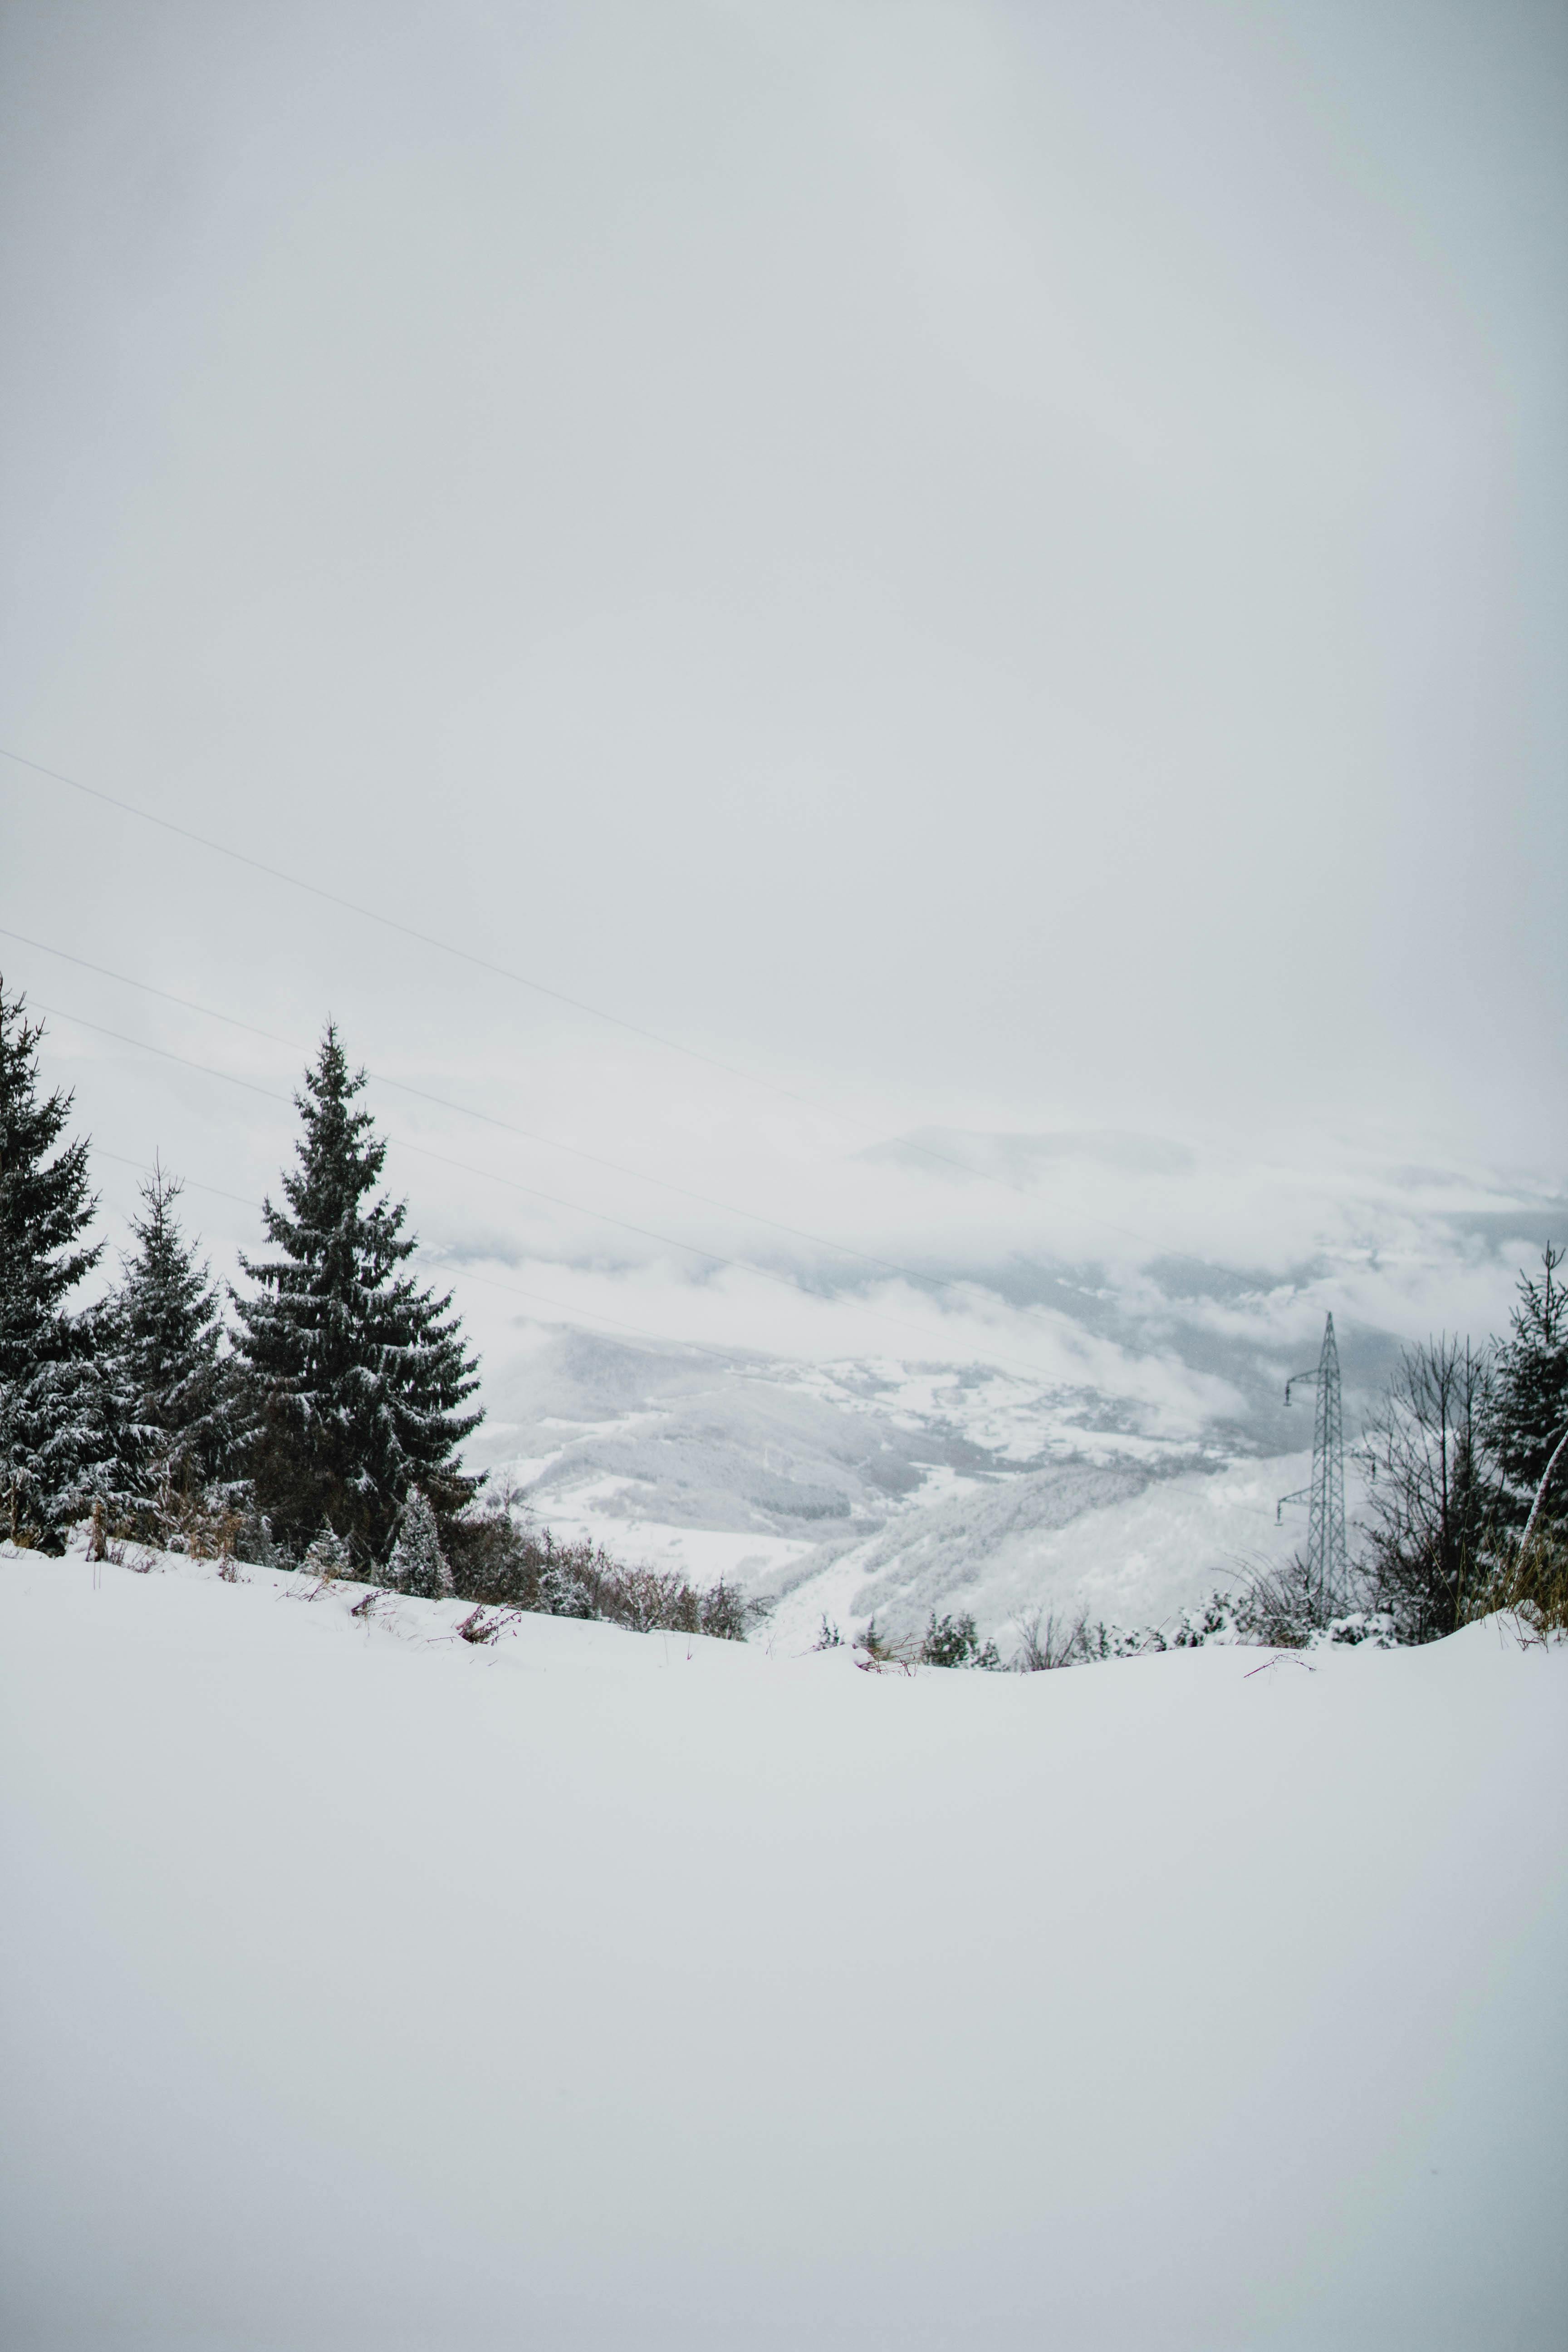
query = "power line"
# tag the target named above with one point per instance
(488, 1118)
(163, 1052)
(521, 979)
(405, 931)
(644, 1233)
(194, 1183)
(639, 1330)
(460, 1273)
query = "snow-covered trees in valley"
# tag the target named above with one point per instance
(417, 1564)
(167, 1329)
(54, 1445)
(357, 1376)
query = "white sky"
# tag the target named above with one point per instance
(995, 565)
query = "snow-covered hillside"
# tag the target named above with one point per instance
(877, 1486)
(366, 1988)
(1057, 1381)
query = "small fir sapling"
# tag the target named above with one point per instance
(328, 1556)
(418, 1565)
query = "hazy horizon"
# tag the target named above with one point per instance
(999, 570)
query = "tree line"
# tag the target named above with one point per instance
(1463, 1512)
(1464, 1504)
(1463, 1458)
(1463, 1464)
(315, 1418)
(323, 1423)
(342, 1385)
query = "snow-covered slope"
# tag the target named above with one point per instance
(364, 1988)
(881, 1486)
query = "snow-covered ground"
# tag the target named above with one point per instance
(366, 1988)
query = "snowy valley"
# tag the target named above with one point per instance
(877, 1488)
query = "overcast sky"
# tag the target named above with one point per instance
(999, 565)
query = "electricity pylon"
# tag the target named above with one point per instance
(1327, 1555)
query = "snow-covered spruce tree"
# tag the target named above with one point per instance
(56, 1448)
(356, 1376)
(418, 1565)
(167, 1329)
(1529, 1403)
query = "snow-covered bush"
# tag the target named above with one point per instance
(418, 1565)
(953, 1642)
(1374, 1625)
(328, 1555)
(564, 1590)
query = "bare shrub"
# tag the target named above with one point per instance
(1046, 1641)
(874, 1654)
(482, 1625)
(646, 1602)
(1432, 1510)
(727, 1614)
(499, 1561)
(1533, 1589)
(494, 1553)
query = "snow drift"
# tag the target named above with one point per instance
(365, 1987)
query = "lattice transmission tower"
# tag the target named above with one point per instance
(1327, 1555)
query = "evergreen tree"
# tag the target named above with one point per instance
(167, 1331)
(418, 1565)
(55, 1448)
(357, 1376)
(953, 1642)
(1529, 1405)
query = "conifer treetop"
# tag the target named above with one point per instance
(169, 1300)
(341, 1157)
(362, 1373)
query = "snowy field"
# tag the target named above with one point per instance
(366, 1988)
